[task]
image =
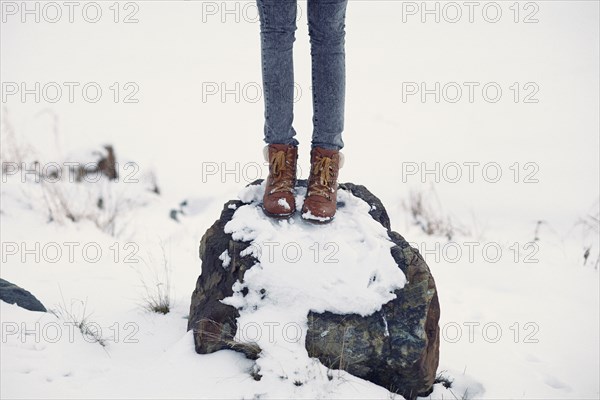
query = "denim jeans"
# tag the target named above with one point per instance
(326, 26)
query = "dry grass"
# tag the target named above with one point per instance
(76, 313)
(156, 283)
(427, 213)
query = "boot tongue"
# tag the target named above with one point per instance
(277, 163)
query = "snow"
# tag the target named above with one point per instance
(309, 215)
(330, 268)
(225, 258)
(283, 202)
(208, 147)
(387, 332)
(304, 268)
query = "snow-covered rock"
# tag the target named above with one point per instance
(304, 300)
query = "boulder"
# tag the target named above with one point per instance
(396, 347)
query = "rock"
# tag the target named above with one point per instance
(13, 294)
(213, 322)
(396, 347)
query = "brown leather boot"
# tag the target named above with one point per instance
(321, 194)
(278, 200)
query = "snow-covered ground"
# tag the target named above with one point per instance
(519, 300)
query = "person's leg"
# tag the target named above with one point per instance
(326, 24)
(277, 32)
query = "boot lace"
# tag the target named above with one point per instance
(281, 176)
(323, 177)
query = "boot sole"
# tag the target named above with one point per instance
(317, 222)
(277, 216)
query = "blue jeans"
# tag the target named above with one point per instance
(326, 26)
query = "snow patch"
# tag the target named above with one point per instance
(308, 215)
(385, 324)
(283, 203)
(302, 268)
(225, 258)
